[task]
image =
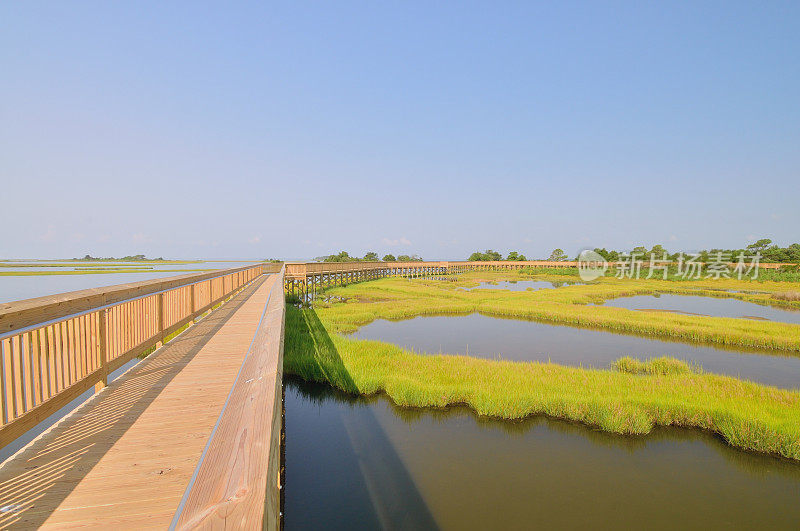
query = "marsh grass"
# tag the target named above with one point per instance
(787, 295)
(75, 265)
(293, 298)
(654, 366)
(556, 271)
(631, 399)
(575, 305)
(783, 274)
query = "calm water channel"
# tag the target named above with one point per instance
(522, 285)
(489, 337)
(693, 304)
(354, 463)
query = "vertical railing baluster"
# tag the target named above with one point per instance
(191, 299)
(58, 345)
(35, 347)
(70, 351)
(6, 398)
(160, 320)
(102, 325)
(81, 346)
(51, 361)
(27, 369)
(16, 369)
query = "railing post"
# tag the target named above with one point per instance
(191, 300)
(160, 320)
(102, 320)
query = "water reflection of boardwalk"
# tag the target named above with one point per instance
(127, 457)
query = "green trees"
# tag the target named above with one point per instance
(343, 256)
(773, 253)
(658, 251)
(487, 256)
(493, 256)
(760, 246)
(770, 252)
(490, 255)
(608, 256)
(558, 255)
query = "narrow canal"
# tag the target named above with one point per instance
(362, 463)
(489, 337)
(523, 285)
(712, 306)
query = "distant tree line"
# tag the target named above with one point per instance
(558, 255)
(131, 258)
(770, 252)
(493, 256)
(344, 256)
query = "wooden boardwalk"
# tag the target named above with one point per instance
(124, 459)
(188, 438)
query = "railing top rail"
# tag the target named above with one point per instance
(522, 263)
(235, 477)
(297, 267)
(295, 270)
(444, 263)
(21, 314)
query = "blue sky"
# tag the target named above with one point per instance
(259, 129)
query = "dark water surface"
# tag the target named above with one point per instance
(489, 337)
(715, 307)
(522, 285)
(354, 463)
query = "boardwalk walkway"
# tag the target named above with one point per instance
(124, 458)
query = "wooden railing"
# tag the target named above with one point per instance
(303, 269)
(236, 484)
(54, 348)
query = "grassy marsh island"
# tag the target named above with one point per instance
(577, 305)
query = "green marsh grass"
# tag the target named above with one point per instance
(793, 296)
(575, 305)
(654, 366)
(785, 273)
